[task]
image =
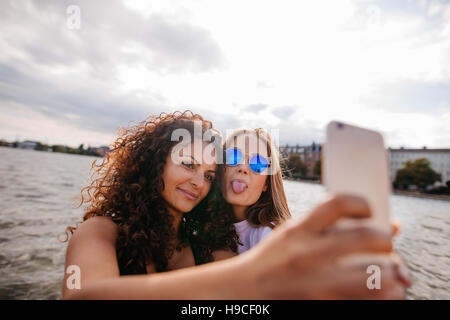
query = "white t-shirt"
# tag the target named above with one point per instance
(249, 235)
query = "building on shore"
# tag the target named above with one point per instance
(309, 155)
(29, 145)
(101, 151)
(439, 160)
(4, 143)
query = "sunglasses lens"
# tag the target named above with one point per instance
(233, 157)
(258, 164)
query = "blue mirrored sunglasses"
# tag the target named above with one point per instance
(257, 163)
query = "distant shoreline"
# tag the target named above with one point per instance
(56, 152)
(415, 194)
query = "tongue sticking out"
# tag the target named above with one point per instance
(238, 186)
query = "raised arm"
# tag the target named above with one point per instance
(92, 249)
(223, 254)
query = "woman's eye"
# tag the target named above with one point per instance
(188, 164)
(210, 178)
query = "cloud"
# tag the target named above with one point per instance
(126, 62)
(284, 112)
(263, 85)
(22, 123)
(301, 131)
(257, 107)
(71, 75)
(289, 130)
(110, 34)
(410, 96)
(95, 106)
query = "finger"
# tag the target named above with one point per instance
(389, 286)
(396, 227)
(401, 269)
(355, 240)
(396, 293)
(335, 207)
(366, 282)
(357, 281)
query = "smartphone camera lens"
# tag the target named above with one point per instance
(340, 125)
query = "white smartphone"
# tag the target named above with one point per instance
(355, 161)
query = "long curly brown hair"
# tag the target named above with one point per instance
(126, 186)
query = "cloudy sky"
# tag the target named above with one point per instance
(286, 65)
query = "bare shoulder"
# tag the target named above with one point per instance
(96, 228)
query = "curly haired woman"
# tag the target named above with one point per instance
(140, 196)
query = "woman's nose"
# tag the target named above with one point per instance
(197, 181)
(243, 168)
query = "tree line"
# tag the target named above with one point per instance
(81, 150)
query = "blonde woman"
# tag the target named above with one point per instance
(252, 185)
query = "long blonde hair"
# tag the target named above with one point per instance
(271, 207)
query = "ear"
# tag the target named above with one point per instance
(265, 188)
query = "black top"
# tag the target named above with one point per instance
(200, 248)
(197, 262)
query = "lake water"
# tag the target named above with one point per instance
(39, 191)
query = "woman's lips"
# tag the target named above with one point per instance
(189, 195)
(238, 186)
